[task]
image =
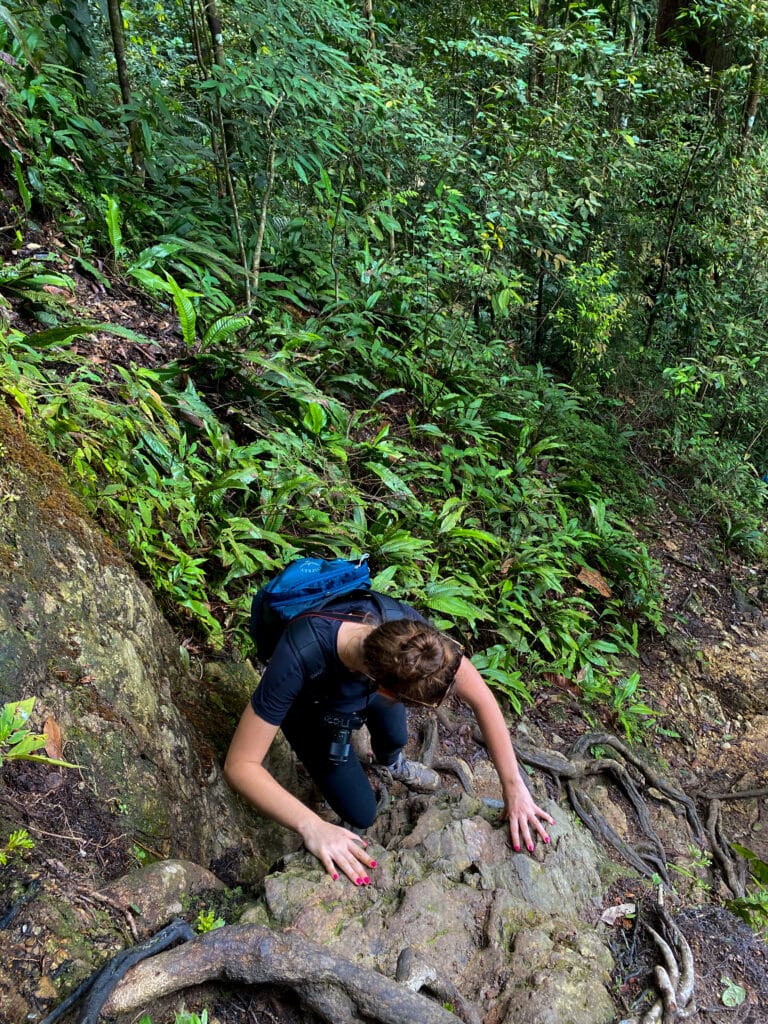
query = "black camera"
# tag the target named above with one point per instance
(340, 728)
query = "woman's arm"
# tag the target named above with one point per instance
(336, 848)
(520, 809)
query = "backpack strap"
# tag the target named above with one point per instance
(306, 646)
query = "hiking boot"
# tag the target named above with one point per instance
(413, 774)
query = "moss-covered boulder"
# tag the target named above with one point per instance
(82, 634)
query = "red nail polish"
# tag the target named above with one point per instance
(335, 878)
(517, 849)
(367, 880)
(358, 881)
(546, 839)
(530, 848)
(373, 863)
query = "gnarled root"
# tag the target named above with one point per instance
(649, 858)
(333, 987)
(732, 869)
(675, 977)
(418, 975)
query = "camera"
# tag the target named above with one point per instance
(340, 728)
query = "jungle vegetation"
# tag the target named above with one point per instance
(474, 289)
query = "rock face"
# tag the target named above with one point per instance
(512, 932)
(82, 634)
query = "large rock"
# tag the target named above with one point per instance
(511, 931)
(80, 632)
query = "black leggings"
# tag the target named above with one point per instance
(346, 786)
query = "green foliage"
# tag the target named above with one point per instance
(18, 841)
(441, 297)
(17, 740)
(182, 1017)
(753, 907)
(208, 921)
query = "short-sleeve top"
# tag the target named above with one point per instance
(285, 681)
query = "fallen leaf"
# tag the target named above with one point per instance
(53, 744)
(614, 914)
(592, 578)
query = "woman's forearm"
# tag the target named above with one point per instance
(260, 789)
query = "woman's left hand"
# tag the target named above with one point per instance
(523, 815)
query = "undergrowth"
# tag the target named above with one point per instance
(267, 442)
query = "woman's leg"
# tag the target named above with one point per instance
(388, 726)
(344, 786)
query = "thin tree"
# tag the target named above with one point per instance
(115, 13)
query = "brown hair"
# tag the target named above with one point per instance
(412, 659)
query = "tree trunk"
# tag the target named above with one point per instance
(754, 90)
(118, 45)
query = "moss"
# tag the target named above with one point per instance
(32, 479)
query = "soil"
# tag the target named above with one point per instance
(706, 676)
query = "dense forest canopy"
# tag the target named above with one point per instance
(460, 286)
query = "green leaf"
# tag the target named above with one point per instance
(224, 328)
(185, 310)
(733, 994)
(114, 228)
(314, 418)
(391, 480)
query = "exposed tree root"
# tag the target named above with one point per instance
(648, 858)
(455, 765)
(96, 990)
(333, 987)
(675, 976)
(733, 868)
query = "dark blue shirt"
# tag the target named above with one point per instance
(285, 681)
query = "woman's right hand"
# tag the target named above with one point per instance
(338, 849)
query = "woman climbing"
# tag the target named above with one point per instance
(368, 670)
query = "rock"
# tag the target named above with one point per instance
(80, 632)
(160, 891)
(506, 929)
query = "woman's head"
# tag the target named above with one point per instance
(412, 660)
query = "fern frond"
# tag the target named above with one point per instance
(224, 328)
(184, 309)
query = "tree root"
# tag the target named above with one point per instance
(333, 987)
(418, 975)
(455, 765)
(675, 977)
(96, 990)
(733, 868)
(648, 858)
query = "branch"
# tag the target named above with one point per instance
(330, 985)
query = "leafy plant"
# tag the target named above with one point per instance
(753, 907)
(182, 1017)
(17, 740)
(18, 841)
(208, 921)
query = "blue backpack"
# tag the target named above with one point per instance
(304, 585)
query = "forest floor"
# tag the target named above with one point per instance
(706, 676)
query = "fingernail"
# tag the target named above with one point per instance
(530, 848)
(373, 863)
(335, 878)
(546, 839)
(358, 881)
(367, 880)
(517, 849)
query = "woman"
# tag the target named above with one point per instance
(371, 670)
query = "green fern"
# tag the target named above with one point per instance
(224, 328)
(184, 309)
